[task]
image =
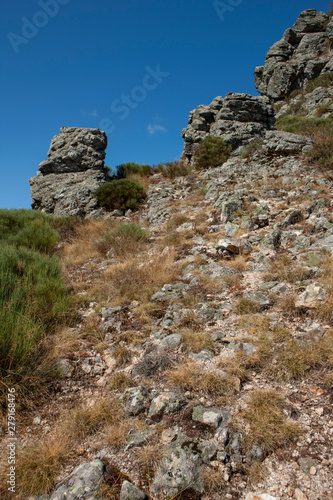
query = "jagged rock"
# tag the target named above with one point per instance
(311, 297)
(309, 102)
(202, 356)
(164, 404)
(208, 416)
(82, 484)
(260, 299)
(135, 400)
(66, 181)
(234, 246)
(303, 54)
(130, 492)
(171, 341)
(208, 450)
(277, 141)
(237, 118)
(179, 470)
(229, 208)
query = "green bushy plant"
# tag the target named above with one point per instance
(212, 152)
(120, 194)
(33, 300)
(28, 228)
(173, 169)
(321, 132)
(126, 169)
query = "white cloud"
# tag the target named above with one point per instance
(154, 129)
(94, 113)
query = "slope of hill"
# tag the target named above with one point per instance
(200, 363)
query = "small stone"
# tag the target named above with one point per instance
(164, 404)
(170, 342)
(130, 492)
(208, 416)
(299, 495)
(313, 471)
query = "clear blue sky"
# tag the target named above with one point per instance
(86, 56)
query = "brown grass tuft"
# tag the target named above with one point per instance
(270, 428)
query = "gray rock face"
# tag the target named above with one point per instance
(179, 471)
(66, 181)
(131, 492)
(237, 118)
(302, 54)
(83, 483)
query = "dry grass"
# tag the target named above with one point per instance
(190, 377)
(269, 426)
(287, 304)
(247, 306)
(83, 246)
(122, 355)
(239, 263)
(324, 310)
(40, 462)
(120, 381)
(294, 361)
(283, 268)
(254, 323)
(195, 341)
(136, 279)
(213, 482)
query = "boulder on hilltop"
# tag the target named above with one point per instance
(74, 169)
(304, 53)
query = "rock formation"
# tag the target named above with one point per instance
(237, 118)
(66, 181)
(304, 53)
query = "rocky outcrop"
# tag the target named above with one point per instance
(66, 181)
(237, 118)
(303, 54)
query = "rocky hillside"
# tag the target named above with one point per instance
(200, 363)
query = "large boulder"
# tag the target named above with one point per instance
(74, 169)
(237, 118)
(303, 54)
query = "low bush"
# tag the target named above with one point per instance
(173, 169)
(321, 132)
(212, 152)
(126, 169)
(120, 194)
(28, 228)
(33, 300)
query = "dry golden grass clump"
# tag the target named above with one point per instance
(136, 279)
(269, 426)
(284, 269)
(195, 341)
(40, 462)
(191, 377)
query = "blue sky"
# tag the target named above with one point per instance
(134, 68)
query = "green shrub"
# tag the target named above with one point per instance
(321, 132)
(212, 152)
(126, 169)
(325, 80)
(33, 300)
(28, 228)
(173, 169)
(120, 194)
